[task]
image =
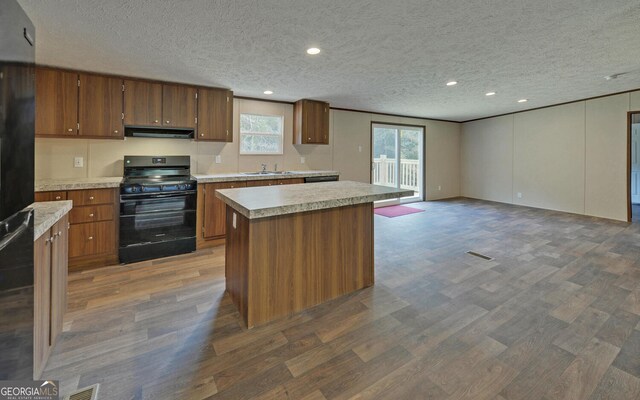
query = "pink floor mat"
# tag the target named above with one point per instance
(396, 211)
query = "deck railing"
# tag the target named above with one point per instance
(384, 173)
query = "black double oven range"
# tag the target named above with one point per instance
(157, 208)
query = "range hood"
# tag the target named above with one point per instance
(153, 132)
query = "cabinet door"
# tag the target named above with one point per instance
(142, 103)
(56, 102)
(215, 209)
(92, 239)
(101, 106)
(59, 264)
(317, 122)
(215, 115)
(178, 106)
(322, 135)
(42, 302)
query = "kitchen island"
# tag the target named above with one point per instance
(292, 247)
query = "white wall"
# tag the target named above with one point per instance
(348, 151)
(488, 152)
(570, 157)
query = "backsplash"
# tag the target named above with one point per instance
(102, 157)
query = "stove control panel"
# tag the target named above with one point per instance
(155, 188)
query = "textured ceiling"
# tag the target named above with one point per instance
(392, 56)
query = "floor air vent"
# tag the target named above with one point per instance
(88, 393)
(473, 253)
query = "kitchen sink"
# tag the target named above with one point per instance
(268, 173)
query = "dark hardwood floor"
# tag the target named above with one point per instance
(555, 315)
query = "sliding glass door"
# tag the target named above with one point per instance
(397, 159)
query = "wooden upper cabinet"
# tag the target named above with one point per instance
(100, 108)
(179, 106)
(56, 102)
(142, 103)
(311, 122)
(215, 115)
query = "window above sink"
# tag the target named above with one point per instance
(261, 135)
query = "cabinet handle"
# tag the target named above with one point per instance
(59, 233)
(58, 197)
(91, 215)
(90, 197)
(70, 129)
(155, 121)
(168, 122)
(309, 139)
(90, 238)
(116, 131)
(202, 135)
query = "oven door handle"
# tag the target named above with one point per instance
(144, 196)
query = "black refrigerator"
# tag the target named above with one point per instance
(17, 127)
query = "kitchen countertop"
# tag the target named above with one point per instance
(49, 185)
(268, 201)
(239, 176)
(47, 213)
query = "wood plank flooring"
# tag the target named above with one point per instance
(554, 315)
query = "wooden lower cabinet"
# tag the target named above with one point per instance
(50, 291)
(93, 234)
(211, 224)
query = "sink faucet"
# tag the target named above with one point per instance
(275, 167)
(264, 167)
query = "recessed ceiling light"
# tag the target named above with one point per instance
(490, 94)
(522, 101)
(313, 50)
(268, 92)
(452, 83)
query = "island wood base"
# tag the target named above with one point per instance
(277, 266)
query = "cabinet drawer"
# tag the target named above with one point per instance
(84, 214)
(50, 196)
(92, 196)
(91, 239)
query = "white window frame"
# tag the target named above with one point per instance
(243, 153)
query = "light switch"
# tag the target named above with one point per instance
(302, 160)
(218, 159)
(78, 162)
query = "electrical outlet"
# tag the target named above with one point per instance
(218, 159)
(439, 187)
(359, 149)
(519, 195)
(78, 162)
(302, 160)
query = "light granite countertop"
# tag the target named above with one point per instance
(47, 213)
(50, 185)
(240, 176)
(268, 201)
